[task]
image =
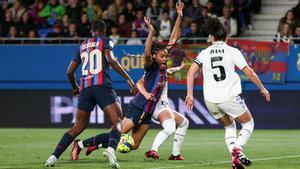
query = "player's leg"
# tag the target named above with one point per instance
(114, 114)
(166, 119)
(107, 100)
(182, 124)
(84, 107)
(244, 135)
(138, 133)
(82, 118)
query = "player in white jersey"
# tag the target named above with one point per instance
(221, 88)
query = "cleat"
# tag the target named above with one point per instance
(75, 150)
(89, 150)
(236, 164)
(51, 161)
(237, 153)
(152, 154)
(110, 156)
(178, 157)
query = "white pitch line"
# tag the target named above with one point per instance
(225, 162)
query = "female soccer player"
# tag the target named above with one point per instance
(151, 101)
(221, 88)
(96, 56)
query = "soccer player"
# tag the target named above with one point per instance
(151, 101)
(96, 56)
(221, 88)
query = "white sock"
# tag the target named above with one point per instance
(230, 136)
(80, 144)
(168, 129)
(179, 136)
(112, 150)
(245, 133)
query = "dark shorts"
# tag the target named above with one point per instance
(137, 115)
(100, 95)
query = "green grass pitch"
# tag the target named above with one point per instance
(205, 149)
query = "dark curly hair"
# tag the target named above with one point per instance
(216, 29)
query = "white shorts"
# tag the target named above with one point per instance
(160, 106)
(234, 107)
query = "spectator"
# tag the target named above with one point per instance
(17, 10)
(139, 24)
(194, 33)
(130, 11)
(296, 11)
(73, 10)
(228, 22)
(229, 4)
(108, 21)
(55, 34)
(194, 10)
(243, 11)
(297, 35)
(124, 27)
(288, 18)
(32, 35)
(134, 40)
(114, 34)
(4, 6)
(115, 9)
(203, 21)
(284, 35)
(53, 12)
(92, 10)
(172, 10)
(12, 34)
(25, 25)
(103, 3)
(8, 22)
(154, 11)
(212, 10)
(72, 33)
(65, 22)
(84, 26)
(34, 11)
(164, 25)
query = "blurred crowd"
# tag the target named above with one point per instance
(124, 18)
(288, 29)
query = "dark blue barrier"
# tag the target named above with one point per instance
(56, 108)
(44, 67)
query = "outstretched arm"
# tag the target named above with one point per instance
(113, 62)
(148, 56)
(176, 29)
(189, 100)
(172, 70)
(254, 78)
(142, 89)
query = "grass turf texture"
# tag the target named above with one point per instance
(269, 149)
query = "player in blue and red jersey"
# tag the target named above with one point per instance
(95, 54)
(151, 101)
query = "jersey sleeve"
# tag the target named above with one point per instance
(76, 57)
(239, 60)
(199, 59)
(108, 44)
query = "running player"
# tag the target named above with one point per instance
(221, 89)
(96, 56)
(151, 101)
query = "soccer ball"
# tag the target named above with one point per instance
(126, 144)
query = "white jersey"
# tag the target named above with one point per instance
(220, 81)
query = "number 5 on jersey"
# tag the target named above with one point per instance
(215, 64)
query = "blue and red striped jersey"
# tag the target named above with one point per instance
(154, 81)
(95, 68)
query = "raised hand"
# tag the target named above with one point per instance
(148, 23)
(179, 8)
